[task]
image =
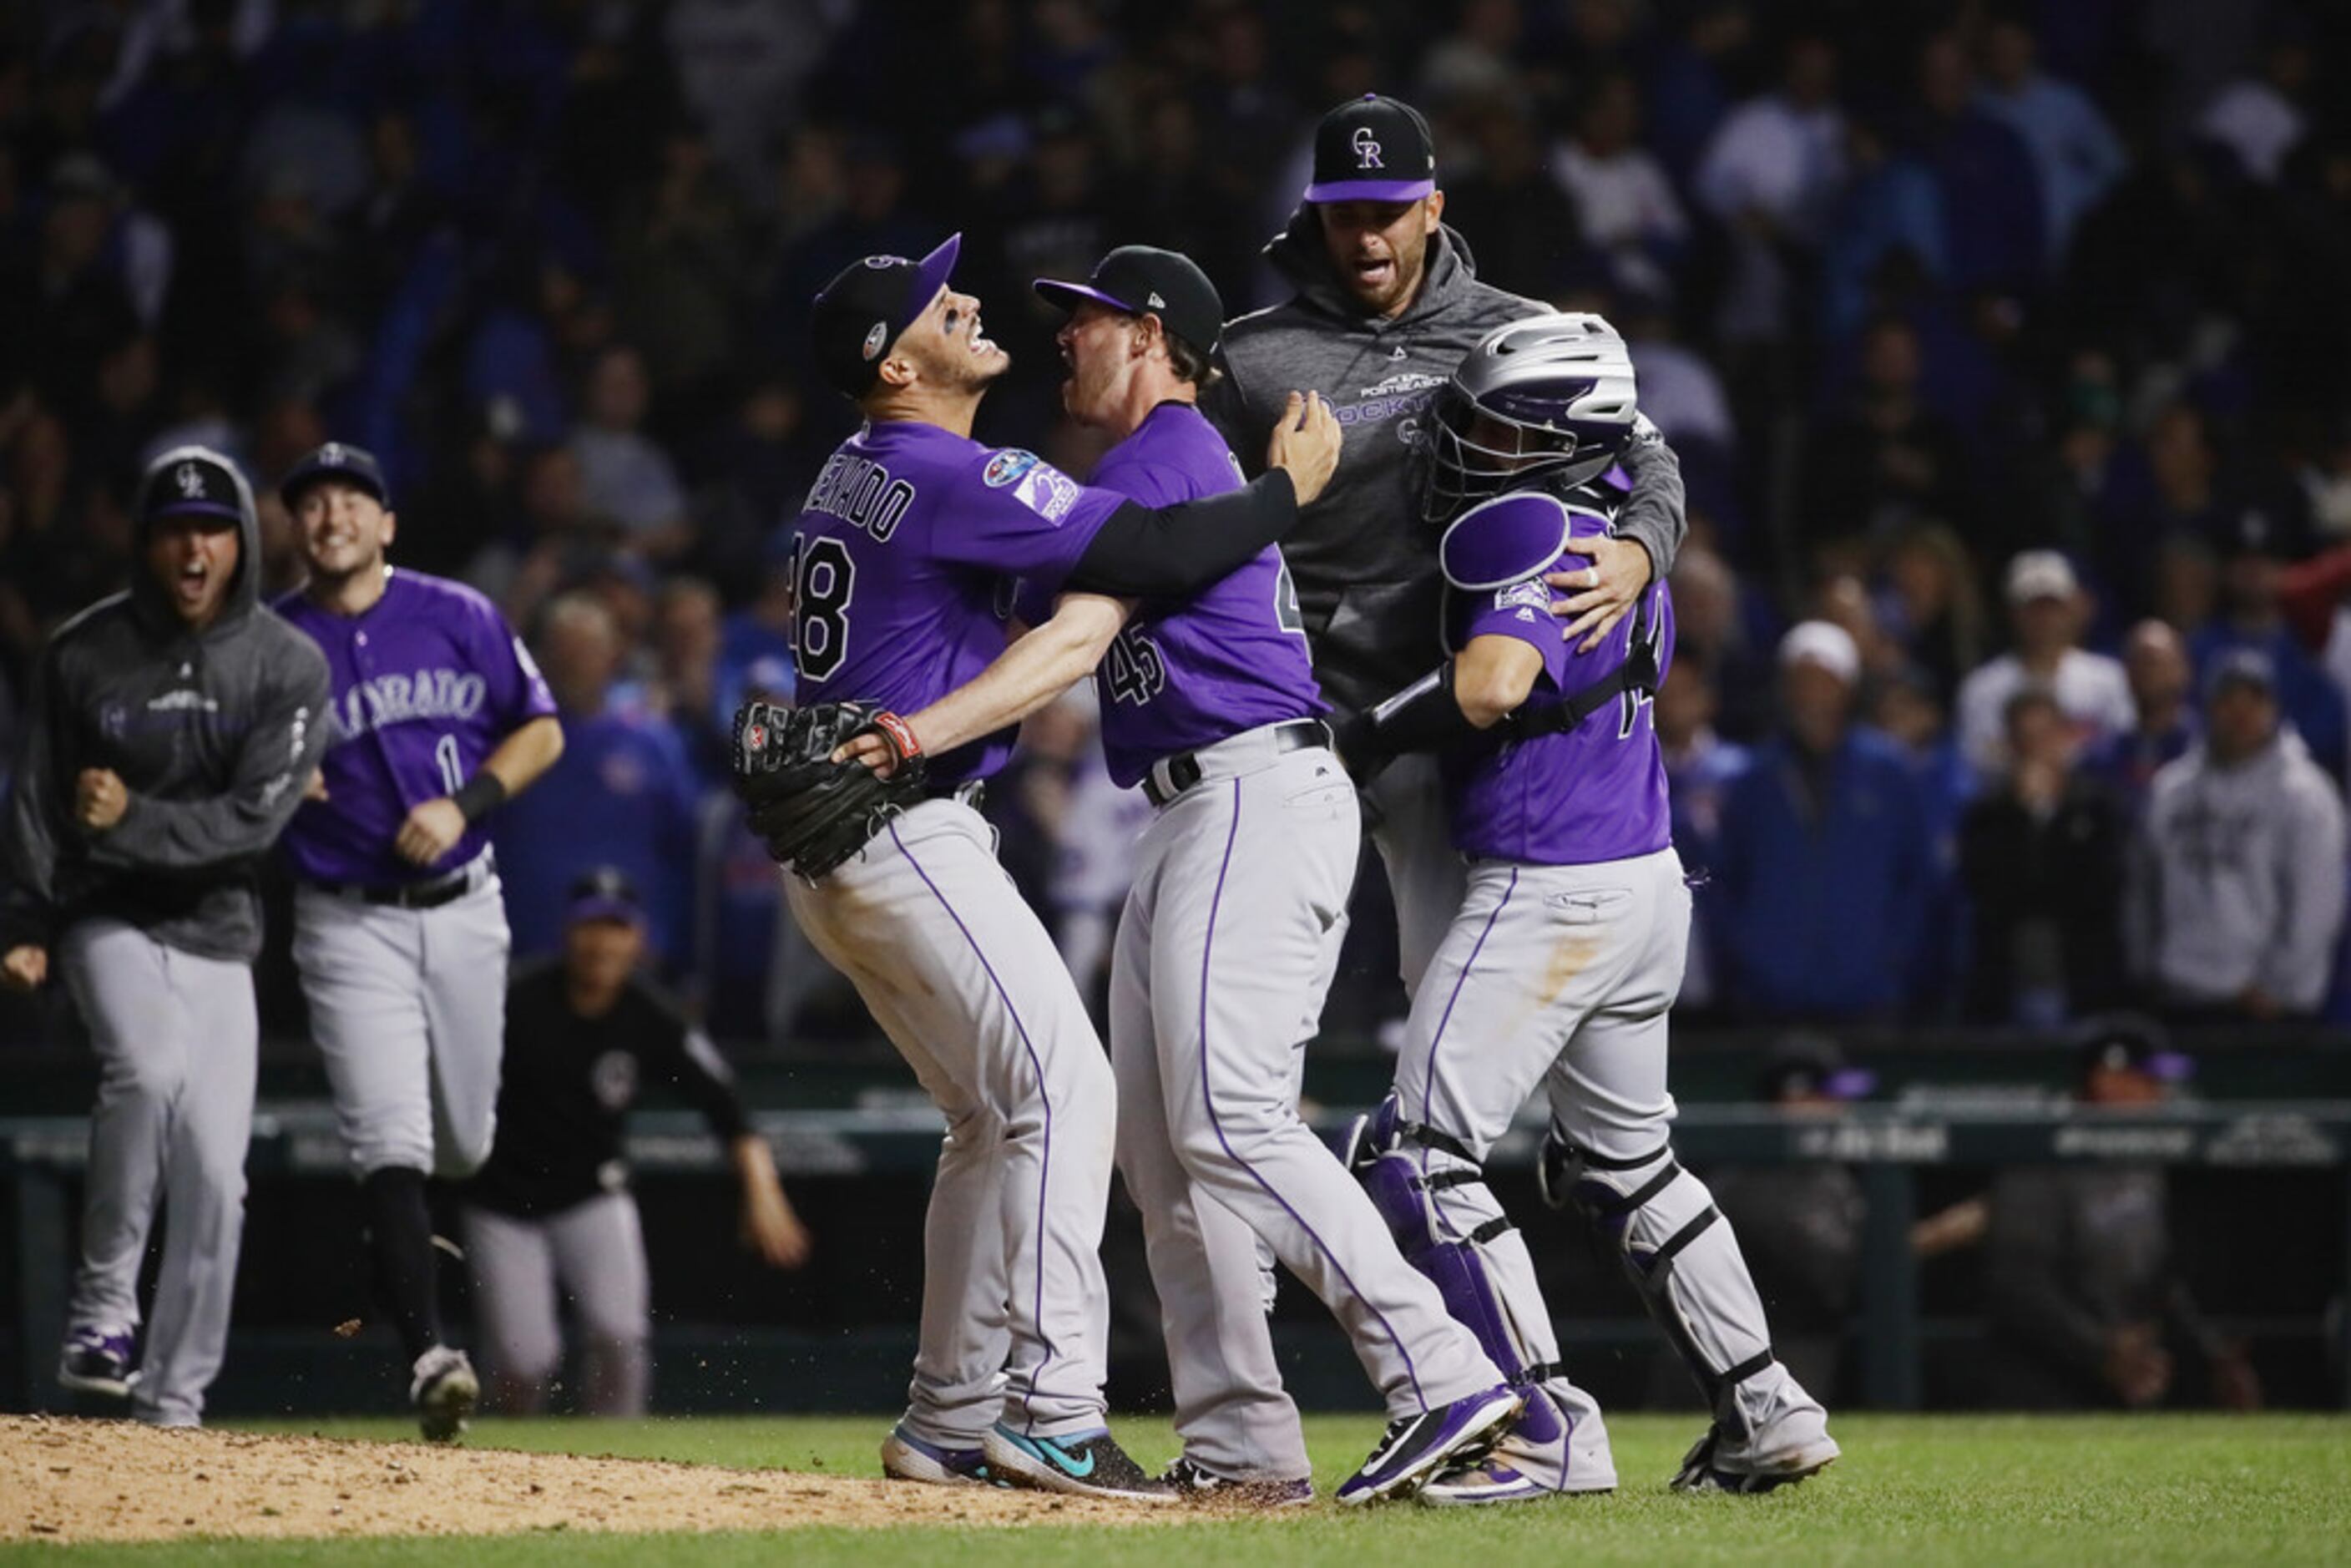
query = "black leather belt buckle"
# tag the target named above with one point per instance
(1185, 770)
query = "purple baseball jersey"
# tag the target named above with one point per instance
(903, 563)
(428, 681)
(1577, 797)
(1231, 657)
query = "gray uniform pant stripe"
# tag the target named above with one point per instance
(1220, 955)
(963, 979)
(408, 1008)
(177, 1043)
(590, 1257)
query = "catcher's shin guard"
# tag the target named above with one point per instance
(1684, 1262)
(1386, 1154)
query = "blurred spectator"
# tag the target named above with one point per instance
(2087, 1308)
(1689, 80)
(1886, 459)
(1526, 226)
(1701, 768)
(1717, 622)
(1886, 234)
(1800, 1223)
(2237, 880)
(622, 475)
(623, 796)
(1824, 858)
(2047, 613)
(741, 66)
(1770, 176)
(1993, 209)
(687, 637)
(2075, 154)
(2163, 724)
(2252, 617)
(1624, 203)
(2041, 856)
(2259, 118)
(1931, 608)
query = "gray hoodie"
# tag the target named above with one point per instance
(1364, 566)
(2238, 878)
(214, 733)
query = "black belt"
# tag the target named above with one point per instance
(1184, 771)
(408, 895)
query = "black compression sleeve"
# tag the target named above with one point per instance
(1423, 716)
(1141, 552)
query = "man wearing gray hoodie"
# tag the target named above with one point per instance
(2237, 884)
(1388, 302)
(171, 733)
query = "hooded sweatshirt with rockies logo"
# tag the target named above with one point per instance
(1364, 564)
(214, 734)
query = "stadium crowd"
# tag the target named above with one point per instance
(2004, 345)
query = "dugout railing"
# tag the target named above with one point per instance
(1891, 1149)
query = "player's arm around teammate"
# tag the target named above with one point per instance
(439, 717)
(171, 733)
(1387, 303)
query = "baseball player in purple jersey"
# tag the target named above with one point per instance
(903, 557)
(1561, 969)
(170, 733)
(438, 717)
(1226, 945)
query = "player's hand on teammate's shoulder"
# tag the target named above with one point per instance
(1604, 593)
(1306, 443)
(99, 799)
(432, 830)
(24, 968)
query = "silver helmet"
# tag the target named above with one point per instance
(1549, 399)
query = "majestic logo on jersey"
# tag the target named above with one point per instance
(191, 482)
(1367, 148)
(1007, 466)
(876, 338)
(1530, 594)
(391, 699)
(861, 493)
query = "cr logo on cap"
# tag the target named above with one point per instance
(191, 482)
(876, 338)
(1367, 148)
(331, 454)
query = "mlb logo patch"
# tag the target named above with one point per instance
(1006, 468)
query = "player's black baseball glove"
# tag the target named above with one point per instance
(814, 813)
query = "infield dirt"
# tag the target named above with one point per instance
(67, 1480)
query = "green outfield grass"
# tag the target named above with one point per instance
(1916, 1490)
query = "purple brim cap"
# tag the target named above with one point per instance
(198, 508)
(1370, 190)
(1850, 1083)
(620, 909)
(931, 274)
(1066, 295)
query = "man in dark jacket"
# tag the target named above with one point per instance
(2042, 856)
(173, 732)
(1388, 302)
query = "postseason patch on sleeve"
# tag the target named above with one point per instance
(1038, 486)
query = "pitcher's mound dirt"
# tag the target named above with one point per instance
(113, 1480)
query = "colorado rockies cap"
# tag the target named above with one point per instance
(190, 480)
(355, 465)
(604, 893)
(1142, 280)
(1373, 149)
(868, 303)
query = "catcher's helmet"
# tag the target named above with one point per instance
(1550, 400)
